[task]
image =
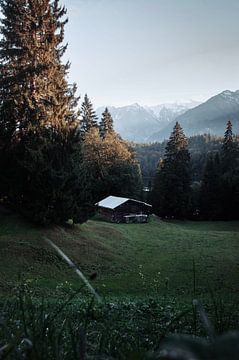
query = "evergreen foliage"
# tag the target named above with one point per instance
(220, 184)
(210, 194)
(230, 175)
(54, 187)
(88, 116)
(33, 88)
(199, 147)
(38, 121)
(106, 123)
(229, 149)
(171, 192)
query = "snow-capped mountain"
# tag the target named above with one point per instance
(133, 122)
(209, 117)
(168, 112)
(174, 108)
(137, 123)
(155, 123)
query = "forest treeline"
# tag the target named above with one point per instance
(57, 161)
(195, 178)
(199, 147)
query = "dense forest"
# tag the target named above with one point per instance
(199, 147)
(195, 178)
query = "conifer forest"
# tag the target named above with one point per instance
(74, 282)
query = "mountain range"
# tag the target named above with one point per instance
(155, 123)
(134, 122)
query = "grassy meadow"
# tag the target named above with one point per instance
(147, 275)
(183, 260)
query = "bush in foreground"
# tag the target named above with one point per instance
(82, 329)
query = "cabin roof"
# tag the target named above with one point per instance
(112, 202)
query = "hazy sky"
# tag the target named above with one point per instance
(153, 51)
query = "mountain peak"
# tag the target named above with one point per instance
(226, 92)
(137, 123)
(135, 105)
(154, 123)
(209, 117)
(229, 94)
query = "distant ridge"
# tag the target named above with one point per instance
(137, 123)
(133, 122)
(208, 117)
(146, 124)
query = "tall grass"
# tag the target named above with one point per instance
(82, 327)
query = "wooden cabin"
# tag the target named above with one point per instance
(124, 210)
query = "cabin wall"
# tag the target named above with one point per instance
(127, 208)
(131, 207)
(106, 213)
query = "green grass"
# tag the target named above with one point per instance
(146, 273)
(130, 260)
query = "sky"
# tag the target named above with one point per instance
(152, 51)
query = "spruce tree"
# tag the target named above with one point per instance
(157, 188)
(220, 184)
(171, 192)
(33, 87)
(211, 189)
(229, 149)
(106, 123)
(88, 116)
(38, 121)
(230, 175)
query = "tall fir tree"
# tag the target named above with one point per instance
(88, 116)
(230, 175)
(229, 149)
(33, 87)
(211, 189)
(171, 191)
(106, 123)
(220, 183)
(38, 121)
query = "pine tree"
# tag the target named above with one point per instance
(38, 121)
(157, 188)
(220, 184)
(33, 88)
(229, 148)
(88, 116)
(106, 123)
(211, 189)
(228, 136)
(171, 192)
(229, 178)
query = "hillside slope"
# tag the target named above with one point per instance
(209, 117)
(129, 259)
